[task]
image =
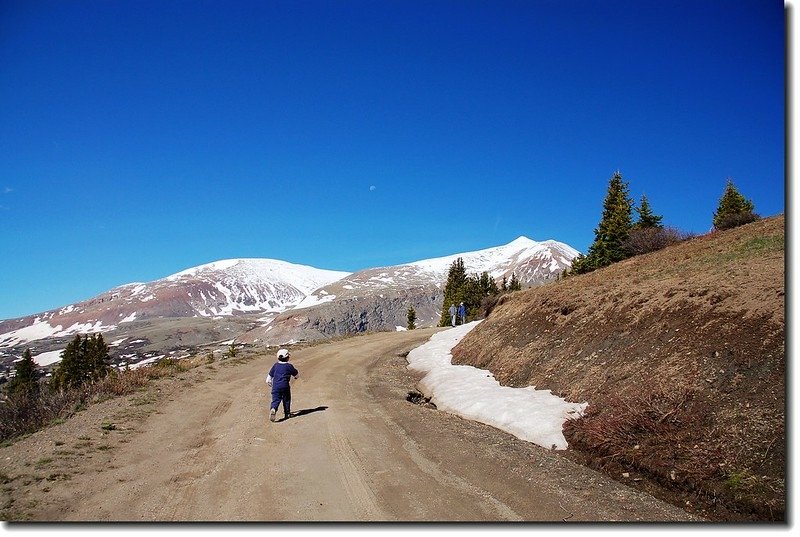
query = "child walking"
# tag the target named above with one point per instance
(279, 376)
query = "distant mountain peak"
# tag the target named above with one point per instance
(268, 287)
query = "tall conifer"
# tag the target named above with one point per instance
(453, 289)
(612, 231)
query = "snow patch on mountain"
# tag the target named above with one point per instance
(43, 329)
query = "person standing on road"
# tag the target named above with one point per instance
(462, 312)
(279, 376)
(453, 312)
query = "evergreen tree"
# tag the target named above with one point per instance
(733, 210)
(647, 219)
(612, 231)
(514, 284)
(504, 286)
(84, 360)
(25, 378)
(453, 289)
(97, 358)
(488, 285)
(67, 374)
(411, 317)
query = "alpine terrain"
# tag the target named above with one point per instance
(264, 301)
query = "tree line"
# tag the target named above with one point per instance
(85, 360)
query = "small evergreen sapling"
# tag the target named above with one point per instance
(25, 377)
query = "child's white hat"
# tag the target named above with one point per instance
(283, 354)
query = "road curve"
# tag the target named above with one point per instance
(357, 451)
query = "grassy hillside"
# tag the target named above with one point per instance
(681, 356)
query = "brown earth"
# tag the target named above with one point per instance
(199, 447)
(681, 356)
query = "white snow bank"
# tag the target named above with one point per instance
(532, 415)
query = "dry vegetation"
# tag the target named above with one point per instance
(681, 356)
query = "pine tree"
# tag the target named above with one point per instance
(411, 317)
(66, 374)
(488, 285)
(515, 284)
(453, 289)
(97, 358)
(84, 360)
(612, 231)
(733, 210)
(25, 378)
(647, 219)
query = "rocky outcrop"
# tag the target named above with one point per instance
(384, 312)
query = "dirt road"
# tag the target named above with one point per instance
(204, 450)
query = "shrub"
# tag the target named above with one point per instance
(644, 240)
(735, 220)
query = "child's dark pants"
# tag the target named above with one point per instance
(282, 395)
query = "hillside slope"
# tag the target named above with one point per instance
(681, 357)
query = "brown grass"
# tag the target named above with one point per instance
(26, 414)
(680, 354)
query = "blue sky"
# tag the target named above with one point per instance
(141, 138)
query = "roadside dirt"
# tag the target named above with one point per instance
(199, 447)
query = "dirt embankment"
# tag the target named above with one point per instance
(681, 356)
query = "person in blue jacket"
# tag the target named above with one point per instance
(462, 312)
(279, 376)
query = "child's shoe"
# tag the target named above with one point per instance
(272, 415)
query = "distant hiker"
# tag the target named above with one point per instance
(462, 312)
(279, 376)
(453, 312)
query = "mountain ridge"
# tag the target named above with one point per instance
(261, 290)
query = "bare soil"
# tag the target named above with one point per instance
(681, 357)
(199, 447)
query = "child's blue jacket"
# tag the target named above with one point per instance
(279, 375)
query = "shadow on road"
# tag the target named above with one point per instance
(306, 411)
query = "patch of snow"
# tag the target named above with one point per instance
(38, 330)
(86, 328)
(47, 358)
(314, 300)
(146, 361)
(532, 415)
(129, 318)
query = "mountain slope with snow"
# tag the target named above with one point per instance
(532, 262)
(372, 299)
(228, 287)
(379, 298)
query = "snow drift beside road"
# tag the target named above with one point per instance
(532, 415)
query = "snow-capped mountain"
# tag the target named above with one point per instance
(271, 290)
(532, 262)
(378, 298)
(228, 287)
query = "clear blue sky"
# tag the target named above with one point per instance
(139, 138)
